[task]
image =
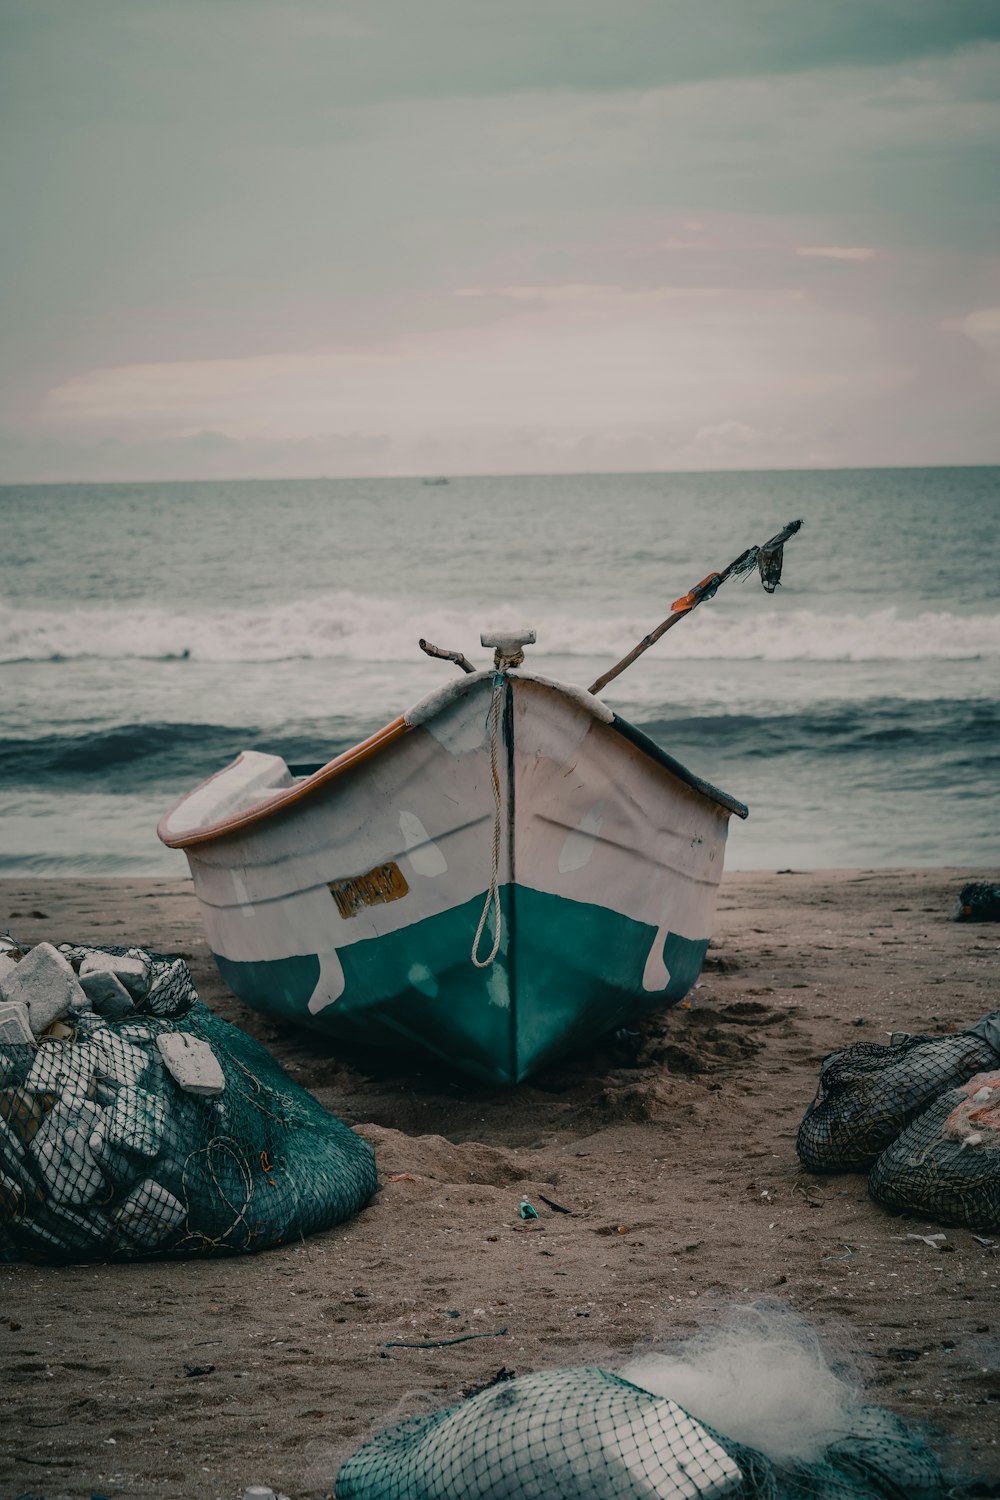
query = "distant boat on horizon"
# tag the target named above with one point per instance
(435, 481)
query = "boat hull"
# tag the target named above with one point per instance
(355, 907)
(579, 974)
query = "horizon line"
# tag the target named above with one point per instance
(448, 478)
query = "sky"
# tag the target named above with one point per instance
(251, 238)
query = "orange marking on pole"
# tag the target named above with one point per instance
(693, 596)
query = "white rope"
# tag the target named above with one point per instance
(501, 663)
(493, 893)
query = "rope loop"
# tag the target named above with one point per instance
(502, 665)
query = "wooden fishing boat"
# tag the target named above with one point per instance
(364, 898)
(506, 870)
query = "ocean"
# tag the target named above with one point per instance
(149, 632)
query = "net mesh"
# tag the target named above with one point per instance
(587, 1434)
(977, 902)
(869, 1093)
(104, 1156)
(946, 1164)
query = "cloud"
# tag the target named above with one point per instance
(582, 294)
(264, 67)
(250, 219)
(983, 329)
(837, 252)
(983, 326)
(729, 440)
(623, 378)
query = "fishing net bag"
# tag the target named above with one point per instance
(104, 1155)
(587, 1434)
(946, 1165)
(869, 1093)
(977, 902)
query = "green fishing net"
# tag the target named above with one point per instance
(587, 1434)
(104, 1156)
(869, 1093)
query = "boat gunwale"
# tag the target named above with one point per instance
(648, 746)
(365, 749)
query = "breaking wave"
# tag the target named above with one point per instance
(948, 727)
(133, 756)
(358, 627)
(130, 757)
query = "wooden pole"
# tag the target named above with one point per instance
(706, 589)
(644, 645)
(455, 656)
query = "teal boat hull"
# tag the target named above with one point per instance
(578, 974)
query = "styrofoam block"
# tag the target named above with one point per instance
(105, 1089)
(71, 1173)
(121, 1168)
(172, 992)
(134, 1122)
(137, 1031)
(118, 1058)
(666, 1455)
(150, 1214)
(44, 981)
(131, 969)
(192, 1063)
(107, 994)
(559, 1433)
(15, 1028)
(62, 1068)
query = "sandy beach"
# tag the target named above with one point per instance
(672, 1149)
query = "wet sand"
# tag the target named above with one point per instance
(673, 1149)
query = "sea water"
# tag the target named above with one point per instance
(150, 632)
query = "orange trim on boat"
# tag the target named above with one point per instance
(334, 768)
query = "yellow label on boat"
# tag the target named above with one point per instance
(384, 883)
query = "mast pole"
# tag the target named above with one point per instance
(767, 557)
